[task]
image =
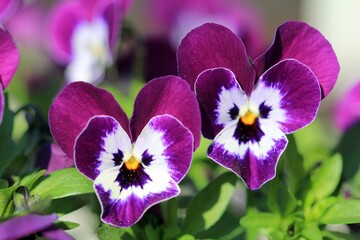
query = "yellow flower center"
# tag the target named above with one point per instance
(249, 118)
(132, 164)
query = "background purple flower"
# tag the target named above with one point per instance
(162, 24)
(83, 36)
(31, 224)
(347, 110)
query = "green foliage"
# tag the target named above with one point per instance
(63, 183)
(210, 204)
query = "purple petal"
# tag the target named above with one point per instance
(8, 8)
(74, 106)
(113, 11)
(347, 111)
(210, 46)
(26, 225)
(167, 95)
(58, 159)
(300, 41)
(56, 233)
(64, 18)
(101, 145)
(288, 95)
(218, 93)
(165, 149)
(9, 58)
(253, 157)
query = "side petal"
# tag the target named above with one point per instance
(210, 46)
(167, 95)
(254, 159)
(74, 106)
(23, 226)
(220, 97)
(9, 58)
(102, 145)
(165, 149)
(288, 95)
(63, 19)
(298, 40)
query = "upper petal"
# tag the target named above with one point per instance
(251, 154)
(210, 46)
(220, 97)
(9, 58)
(288, 95)
(298, 40)
(167, 95)
(63, 19)
(74, 106)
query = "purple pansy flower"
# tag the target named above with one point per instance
(9, 60)
(164, 23)
(83, 36)
(8, 8)
(134, 164)
(248, 109)
(30, 225)
(347, 111)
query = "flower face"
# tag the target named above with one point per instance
(9, 60)
(135, 164)
(248, 116)
(83, 36)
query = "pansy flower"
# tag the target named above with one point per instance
(162, 24)
(248, 108)
(83, 36)
(9, 60)
(134, 164)
(31, 225)
(347, 110)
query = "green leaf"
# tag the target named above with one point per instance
(66, 225)
(257, 220)
(3, 184)
(7, 145)
(6, 195)
(281, 200)
(325, 179)
(63, 183)
(293, 165)
(109, 232)
(187, 237)
(209, 205)
(29, 180)
(311, 231)
(344, 212)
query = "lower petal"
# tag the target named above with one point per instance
(125, 207)
(254, 160)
